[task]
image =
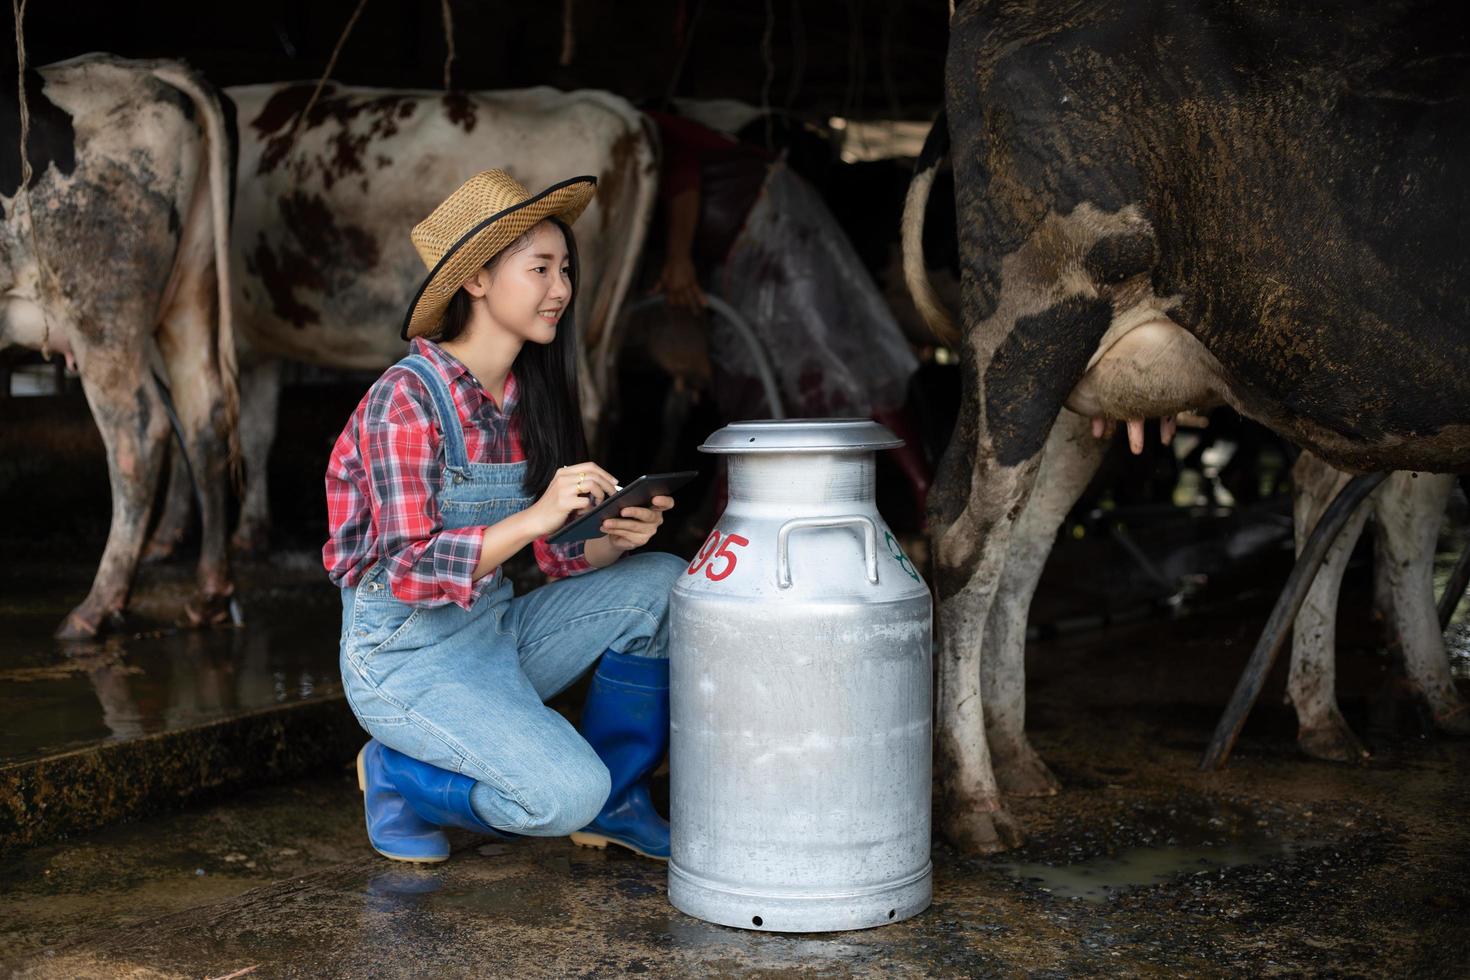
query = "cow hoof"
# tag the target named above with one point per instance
(1020, 772)
(1332, 743)
(250, 542)
(209, 610)
(1453, 721)
(160, 549)
(77, 626)
(982, 831)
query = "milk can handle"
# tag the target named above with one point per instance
(870, 543)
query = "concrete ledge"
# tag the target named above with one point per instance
(46, 799)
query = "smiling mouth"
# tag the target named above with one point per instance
(550, 316)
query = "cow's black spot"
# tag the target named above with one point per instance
(936, 145)
(145, 414)
(1034, 369)
(1120, 257)
(51, 141)
(181, 100)
(232, 133)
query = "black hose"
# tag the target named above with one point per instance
(1293, 594)
(1454, 589)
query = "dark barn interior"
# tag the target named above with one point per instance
(177, 800)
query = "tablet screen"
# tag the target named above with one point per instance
(639, 493)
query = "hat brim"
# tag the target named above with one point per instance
(565, 200)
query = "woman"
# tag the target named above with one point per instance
(457, 458)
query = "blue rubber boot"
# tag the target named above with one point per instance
(394, 829)
(437, 795)
(626, 721)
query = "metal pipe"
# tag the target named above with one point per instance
(1293, 594)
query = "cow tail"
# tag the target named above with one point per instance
(930, 306)
(221, 140)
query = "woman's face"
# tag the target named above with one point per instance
(528, 289)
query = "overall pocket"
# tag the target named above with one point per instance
(379, 619)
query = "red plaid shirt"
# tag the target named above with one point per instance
(383, 487)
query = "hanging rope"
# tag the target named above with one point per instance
(47, 279)
(798, 55)
(448, 43)
(768, 56)
(321, 82)
(685, 45)
(568, 34)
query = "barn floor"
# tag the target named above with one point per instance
(1142, 866)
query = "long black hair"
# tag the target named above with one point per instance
(548, 411)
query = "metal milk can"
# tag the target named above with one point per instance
(801, 690)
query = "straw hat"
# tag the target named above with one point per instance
(487, 213)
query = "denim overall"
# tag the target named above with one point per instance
(463, 690)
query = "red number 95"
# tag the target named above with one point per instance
(713, 550)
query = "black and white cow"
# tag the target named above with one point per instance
(130, 207)
(1407, 510)
(323, 266)
(1168, 205)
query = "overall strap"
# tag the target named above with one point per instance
(455, 457)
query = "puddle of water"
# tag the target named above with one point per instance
(1101, 878)
(60, 696)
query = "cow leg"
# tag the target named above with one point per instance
(178, 510)
(130, 417)
(1311, 686)
(1068, 462)
(1409, 516)
(260, 399)
(969, 526)
(187, 339)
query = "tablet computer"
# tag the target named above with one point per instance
(639, 493)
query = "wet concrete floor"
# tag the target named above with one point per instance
(147, 675)
(1143, 866)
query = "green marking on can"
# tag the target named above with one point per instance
(896, 553)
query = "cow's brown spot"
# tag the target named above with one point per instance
(620, 171)
(280, 279)
(461, 110)
(314, 227)
(283, 107)
(385, 112)
(315, 253)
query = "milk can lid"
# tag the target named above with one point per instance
(801, 436)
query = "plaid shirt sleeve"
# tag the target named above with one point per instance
(427, 565)
(562, 560)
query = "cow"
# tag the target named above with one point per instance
(322, 263)
(1407, 509)
(1170, 205)
(128, 209)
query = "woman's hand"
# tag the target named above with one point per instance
(573, 488)
(636, 525)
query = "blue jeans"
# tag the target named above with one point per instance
(464, 689)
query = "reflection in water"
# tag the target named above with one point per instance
(58, 697)
(119, 712)
(1102, 878)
